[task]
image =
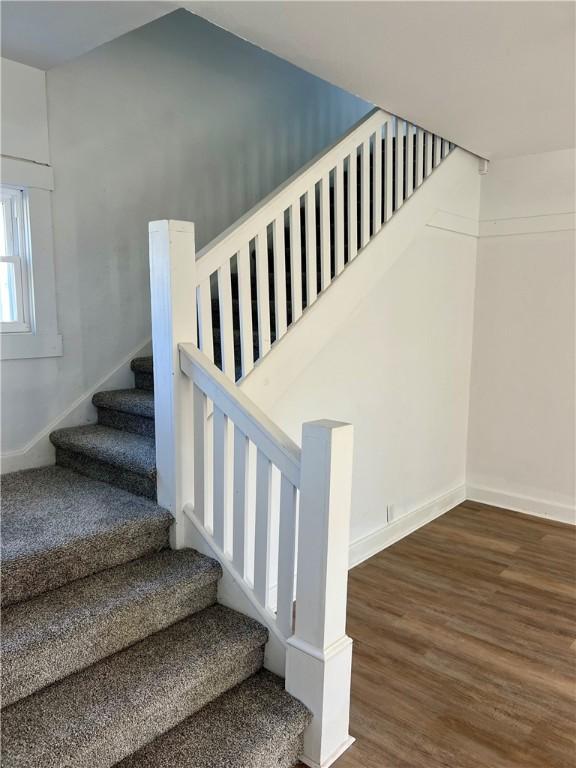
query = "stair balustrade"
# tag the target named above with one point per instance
(277, 515)
(262, 273)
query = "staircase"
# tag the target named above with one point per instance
(115, 651)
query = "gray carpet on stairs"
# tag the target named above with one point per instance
(133, 453)
(104, 713)
(58, 526)
(67, 629)
(142, 364)
(255, 725)
(115, 456)
(128, 409)
(139, 402)
(143, 372)
(114, 651)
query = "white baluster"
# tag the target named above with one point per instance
(409, 159)
(445, 147)
(280, 277)
(352, 205)
(400, 126)
(428, 163)
(286, 557)
(263, 290)
(378, 180)
(226, 325)
(319, 654)
(339, 216)
(419, 156)
(437, 150)
(296, 260)
(263, 529)
(240, 500)
(205, 319)
(311, 268)
(172, 277)
(325, 273)
(366, 182)
(219, 468)
(245, 309)
(389, 171)
(199, 454)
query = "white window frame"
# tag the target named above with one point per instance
(18, 254)
(37, 334)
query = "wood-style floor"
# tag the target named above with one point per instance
(465, 646)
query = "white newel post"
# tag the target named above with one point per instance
(173, 299)
(319, 654)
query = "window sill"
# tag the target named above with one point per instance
(20, 346)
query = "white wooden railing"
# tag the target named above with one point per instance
(276, 515)
(264, 271)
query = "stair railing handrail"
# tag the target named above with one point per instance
(243, 412)
(312, 506)
(326, 212)
(210, 257)
(348, 193)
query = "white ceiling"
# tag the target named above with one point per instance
(45, 34)
(495, 77)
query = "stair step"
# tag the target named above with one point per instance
(120, 458)
(128, 409)
(98, 716)
(58, 526)
(143, 373)
(142, 364)
(100, 615)
(257, 724)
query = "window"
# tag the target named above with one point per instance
(15, 287)
(28, 318)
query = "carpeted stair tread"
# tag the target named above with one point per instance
(142, 364)
(58, 525)
(131, 452)
(65, 630)
(138, 402)
(98, 716)
(255, 725)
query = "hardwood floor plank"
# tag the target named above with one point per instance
(464, 646)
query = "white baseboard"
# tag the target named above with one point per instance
(553, 510)
(39, 452)
(367, 546)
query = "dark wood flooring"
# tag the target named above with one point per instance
(465, 646)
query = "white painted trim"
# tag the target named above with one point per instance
(26, 173)
(39, 451)
(44, 339)
(333, 757)
(519, 225)
(452, 222)
(254, 423)
(553, 510)
(367, 546)
(22, 346)
(528, 225)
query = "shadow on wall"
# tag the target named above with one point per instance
(178, 119)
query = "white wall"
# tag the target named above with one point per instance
(388, 349)
(521, 450)
(24, 116)
(176, 120)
